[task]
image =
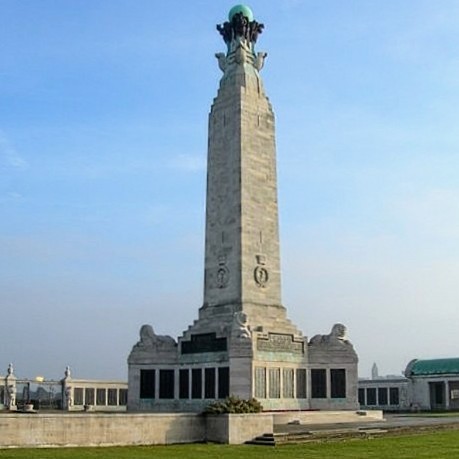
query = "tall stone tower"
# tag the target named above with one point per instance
(242, 263)
(242, 343)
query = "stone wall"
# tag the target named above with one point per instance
(40, 430)
(109, 429)
(236, 429)
(76, 429)
(385, 394)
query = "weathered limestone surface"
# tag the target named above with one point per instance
(19, 430)
(236, 429)
(242, 261)
(69, 430)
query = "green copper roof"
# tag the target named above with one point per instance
(435, 367)
(244, 9)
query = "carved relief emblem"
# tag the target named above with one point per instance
(261, 273)
(222, 276)
(261, 276)
(222, 271)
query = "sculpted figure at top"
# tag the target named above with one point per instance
(337, 336)
(240, 25)
(240, 33)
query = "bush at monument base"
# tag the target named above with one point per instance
(234, 405)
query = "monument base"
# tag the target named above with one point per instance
(283, 371)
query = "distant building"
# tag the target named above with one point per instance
(434, 383)
(68, 394)
(94, 395)
(384, 394)
(374, 371)
(427, 385)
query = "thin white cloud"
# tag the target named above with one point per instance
(188, 162)
(9, 157)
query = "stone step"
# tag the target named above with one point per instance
(283, 438)
(262, 441)
(373, 430)
(266, 439)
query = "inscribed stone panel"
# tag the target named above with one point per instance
(196, 383)
(101, 397)
(204, 342)
(112, 397)
(382, 396)
(166, 384)
(371, 396)
(260, 382)
(394, 398)
(209, 383)
(362, 396)
(318, 383)
(89, 396)
(184, 383)
(123, 397)
(274, 383)
(301, 383)
(147, 383)
(78, 396)
(277, 342)
(223, 382)
(338, 383)
(287, 382)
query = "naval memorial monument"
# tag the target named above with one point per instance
(242, 343)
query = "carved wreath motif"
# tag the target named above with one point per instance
(261, 276)
(222, 277)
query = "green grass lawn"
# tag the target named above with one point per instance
(432, 414)
(433, 446)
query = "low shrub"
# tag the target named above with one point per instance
(236, 405)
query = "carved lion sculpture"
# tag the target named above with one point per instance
(337, 336)
(241, 325)
(149, 339)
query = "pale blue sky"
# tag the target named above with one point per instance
(103, 135)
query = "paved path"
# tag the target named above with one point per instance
(391, 421)
(401, 420)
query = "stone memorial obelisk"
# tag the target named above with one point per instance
(242, 344)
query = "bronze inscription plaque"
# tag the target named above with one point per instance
(277, 342)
